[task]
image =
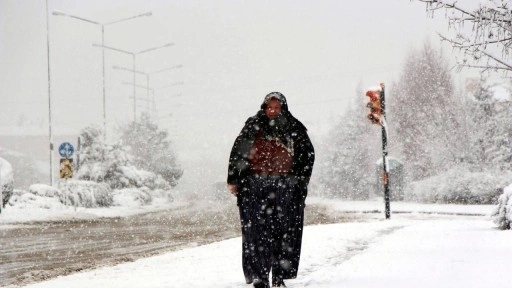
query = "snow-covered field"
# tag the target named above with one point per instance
(420, 246)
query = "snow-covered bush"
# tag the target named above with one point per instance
(460, 185)
(130, 197)
(502, 214)
(44, 190)
(86, 193)
(36, 197)
(113, 165)
(142, 178)
(6, 181)
(69, 193)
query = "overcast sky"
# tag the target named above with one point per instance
(233, 53)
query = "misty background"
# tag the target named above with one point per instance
(231, 55)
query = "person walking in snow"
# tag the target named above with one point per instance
(269, 170)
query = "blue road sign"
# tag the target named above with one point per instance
(66, 150)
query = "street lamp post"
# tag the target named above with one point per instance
(147, 88)
(138, 72)
(134, 54)
(148, 74)
(49, 95)
(60, 13)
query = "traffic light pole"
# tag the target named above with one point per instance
(377, 115)
(385, 177)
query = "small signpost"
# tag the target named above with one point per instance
(66, 151)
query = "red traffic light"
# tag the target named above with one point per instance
(373, 94)
(375, 115)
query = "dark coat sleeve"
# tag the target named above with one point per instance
(239, 166)
(304, 158)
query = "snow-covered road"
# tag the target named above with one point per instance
(421, 246)
(40, 250)
(453, 251)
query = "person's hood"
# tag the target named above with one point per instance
(275, 95)
(285, 113)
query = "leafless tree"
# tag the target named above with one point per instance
(483, 33)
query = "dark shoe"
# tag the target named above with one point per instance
(278, 283)
(258, 283)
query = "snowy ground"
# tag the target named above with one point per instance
(421, 246)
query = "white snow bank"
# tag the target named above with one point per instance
(76, 199)
(460, 185)
(377, 206)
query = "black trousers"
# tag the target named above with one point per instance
(272, 219)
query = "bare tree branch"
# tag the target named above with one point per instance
(497, 59)
(491, 31)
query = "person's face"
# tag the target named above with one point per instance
(273, 109)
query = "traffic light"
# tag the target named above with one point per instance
(375, 115)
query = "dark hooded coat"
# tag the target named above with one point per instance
(290, 130)
(271, 208)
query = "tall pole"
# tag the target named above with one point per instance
(134, 54)
(60, 13)
(147, 87)
(377, 115)
(103, 74)
(385, 154)
(147, 91)
(49, 93)
(134, 95)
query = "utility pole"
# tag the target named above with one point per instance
(49, 94)
(377, 116)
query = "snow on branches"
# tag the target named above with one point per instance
(487, 42)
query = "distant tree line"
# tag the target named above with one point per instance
(438, 133)
(432, 129)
